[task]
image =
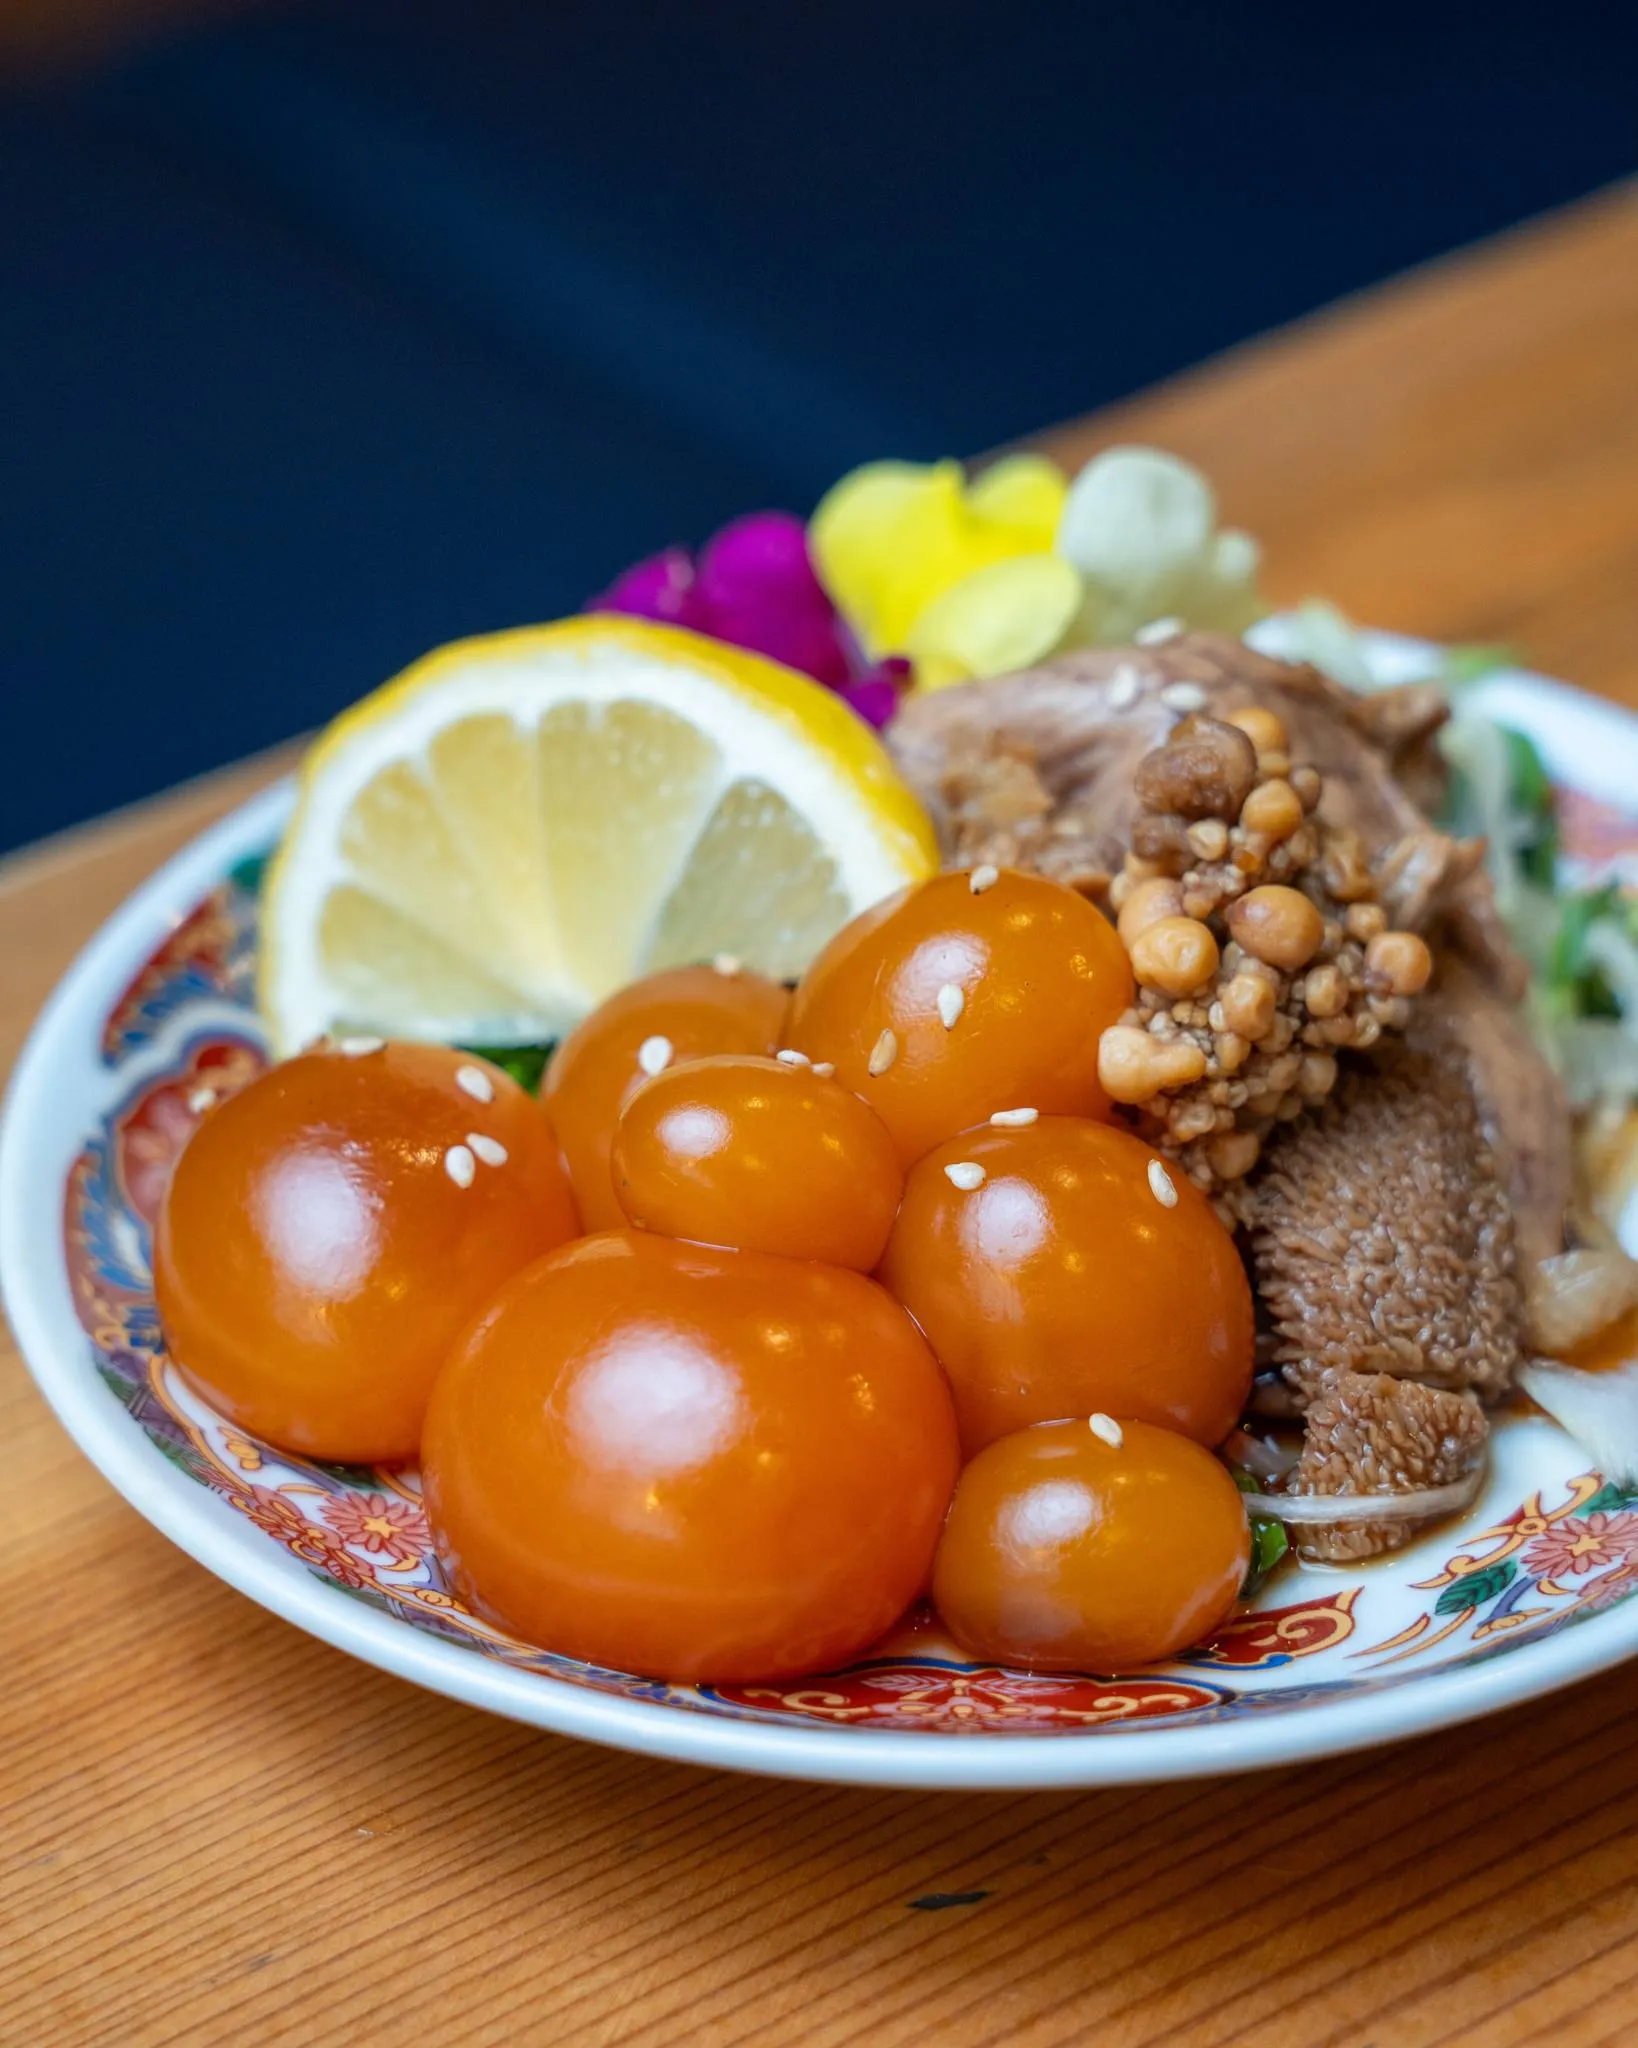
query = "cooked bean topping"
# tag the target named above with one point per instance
(1177, 954)
(1258, 946)
(1278, 925)
(1205, 770)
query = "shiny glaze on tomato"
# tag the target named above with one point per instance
(680, 1014)
(1064, 1283)
(1028, 973)
(691, 1463)
(761, 1156)
(1065, 1551)
(330, 1231)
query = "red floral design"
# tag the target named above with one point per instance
(971, 1701)
(1268, 1636)
(1583, 1543)
(277, 1515)
(394, 1529)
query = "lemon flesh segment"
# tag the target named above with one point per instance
(383, 969)
(758, 884)
(490, 845)
(656, 774)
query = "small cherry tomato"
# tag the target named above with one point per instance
(942, 1005)
(1067, 1550)
(1064, 1267)
(330, 1231)
(759, 1155)
(691, 1463)
(677, 1015)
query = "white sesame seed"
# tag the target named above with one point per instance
(966, 1174)
(654, 1054)
(1107, 1429)
(983, 878)
(824, 1069)
(1183, 697)
(1161, 1185)
(1124, 686)
(727, 964)
(883, 1053)
(356, 1048)
(202, 1099)
(490, 1150)
(1014, 1119)
(1158, 632)
(951, 1002)
(460, 1166)
(476, 1083)
(790, 1057)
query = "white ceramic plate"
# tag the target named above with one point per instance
(1530, 1591)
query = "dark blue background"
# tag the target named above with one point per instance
(342, 330)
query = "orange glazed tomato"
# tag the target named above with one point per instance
(1080, 1273)
(941, 1006)
(1064, 1552)
(672, 1016)
(766, 1157)
(331, 1230)
(690, 1463)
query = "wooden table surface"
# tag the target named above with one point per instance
(216, 1830)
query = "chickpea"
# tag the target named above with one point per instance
(1309, 786)
(1262, 728)
(1248, 1005)
(1317, 1076)
(1193, 1120)
(1232, 1050)
(1365, 920)
(1400, 959)
(1204, 770)
(1233, 1154)
(1343, 867)
(1135, 1067)
(1273, 808)
(1146, 903)
(1324, 992)
(1209, 838)
(1177, 954)
(1279, 925)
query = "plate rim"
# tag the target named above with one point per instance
(39, 1306)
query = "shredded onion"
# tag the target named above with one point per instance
(1599, 1409)
(1266, 1460)
(1420, 1506)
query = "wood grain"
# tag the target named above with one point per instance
(217, 1830)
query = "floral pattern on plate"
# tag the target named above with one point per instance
(1563, 1551)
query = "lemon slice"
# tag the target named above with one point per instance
(516, 826)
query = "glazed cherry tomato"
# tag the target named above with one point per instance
(679, 1014)
(690, 1463)
(1062, 1268)
(330, 1231)
(942, 1005)
(761, 1156)
(1067, 1550)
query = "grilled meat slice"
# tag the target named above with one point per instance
(1382, 1236)
(1084, 721)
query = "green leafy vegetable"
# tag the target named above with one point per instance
(1269, 1543)
(525, 1063)
(1467, 664)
